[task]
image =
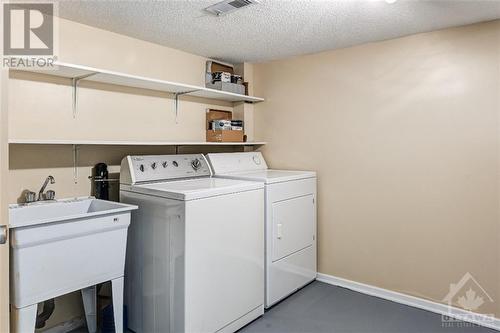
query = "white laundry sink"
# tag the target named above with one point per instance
(62, 210)
(61, 246)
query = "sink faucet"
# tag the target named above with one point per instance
(50, 194)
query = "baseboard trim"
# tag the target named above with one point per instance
(416, 302)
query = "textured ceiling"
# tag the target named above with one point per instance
(274, 28)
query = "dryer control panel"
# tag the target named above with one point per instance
(154, 168)
(223, 163)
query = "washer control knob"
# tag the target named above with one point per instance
(175, 164)
(256, 160)
(164, 164)
(196, 164)
(142, 168)
(153, 165)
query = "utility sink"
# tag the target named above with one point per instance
(62, 210)
(62, 246)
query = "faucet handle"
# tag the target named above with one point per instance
(50, 195)
(29, 197)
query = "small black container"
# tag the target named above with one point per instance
(101, 185)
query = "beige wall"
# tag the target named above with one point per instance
(404, 135)
(4, 249)
(40, 107)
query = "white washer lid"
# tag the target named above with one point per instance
(270, 176)
(197, 188)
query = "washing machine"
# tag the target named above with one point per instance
(195, 257)
(290, 219)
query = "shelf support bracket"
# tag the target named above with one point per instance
(74, 85)
(176, 101)
(75, 163)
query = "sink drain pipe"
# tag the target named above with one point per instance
(48, 310)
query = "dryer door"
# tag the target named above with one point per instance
(293, 221)
(290, 237)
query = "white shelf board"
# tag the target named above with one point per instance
(110, 77)
(131, 143)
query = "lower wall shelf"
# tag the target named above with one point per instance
(77, 143)
(131, 143)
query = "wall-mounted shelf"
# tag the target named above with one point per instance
(131, 143)
(79, 73)
(75, 144)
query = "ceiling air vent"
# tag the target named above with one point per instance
(228, 6)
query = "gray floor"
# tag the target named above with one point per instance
(320, 307)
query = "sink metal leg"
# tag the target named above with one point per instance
(89, 296)
(117, 293)
(23, 319)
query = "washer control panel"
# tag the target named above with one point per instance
(151, 168)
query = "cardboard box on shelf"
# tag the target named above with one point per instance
(222, 135)
(213, 67)
(221, 76)
(227, 86)
(213, 114)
